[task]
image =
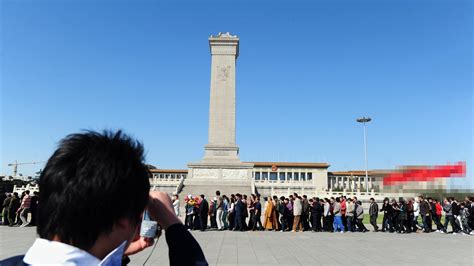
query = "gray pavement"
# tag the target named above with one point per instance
(307, 248)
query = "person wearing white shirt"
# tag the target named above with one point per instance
(176, 205)
(416, 213)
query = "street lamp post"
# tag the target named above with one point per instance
(365, 120)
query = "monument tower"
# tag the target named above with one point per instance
(221, 167)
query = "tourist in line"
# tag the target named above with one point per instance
(373, 213)
(225, 206)
(276, 219)
(332, 203)
(410, 215)
(269, 215)
(359, 210)
(189, 208)
(350, 208)
(290, 214)
(432, 213)
(212, 214)
(416, 214)
(402, 217)
(394, 216)
(238, 213)
(464, 213)
(355, 227)
(425, 212)
(456, 212)
(203, 212)
(34, 208)
(470, 206)
(5, 210)
(251, 210)
(231, 212)
(24, 209)
(257, 224)
(305, 213)
(12, 209)
(297, 211)
(283, 213)
(326, 216)
(343, 211)
(219, 211)
(196, 218)
(338, 226)
(316, 213)
(387, 216)
(245, 213)
(437, 215)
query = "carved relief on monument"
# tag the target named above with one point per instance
(223, 73)
(205, 173)
(234, 173)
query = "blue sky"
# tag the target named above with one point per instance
(306, 71)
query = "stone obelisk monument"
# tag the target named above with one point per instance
(221, 168)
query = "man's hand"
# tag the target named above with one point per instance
(138, 245)
(161, 209)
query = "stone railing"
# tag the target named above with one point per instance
(180, 185)
(164, 182)
(284, 183)
(21, 189)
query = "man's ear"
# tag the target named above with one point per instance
(122, 223)
(125, 225)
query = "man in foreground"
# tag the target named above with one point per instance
(94, 190)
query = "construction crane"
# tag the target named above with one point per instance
(15, 166)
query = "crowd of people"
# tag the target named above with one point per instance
(336, 214)
(19, 210)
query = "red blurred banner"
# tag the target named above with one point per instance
(425, 173)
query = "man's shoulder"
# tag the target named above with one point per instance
(13, 261)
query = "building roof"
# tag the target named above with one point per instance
(356, 173)
(290, 164)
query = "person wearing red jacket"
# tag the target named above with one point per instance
(439, 210)
(343, 212)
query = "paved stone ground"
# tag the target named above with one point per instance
(307, 248)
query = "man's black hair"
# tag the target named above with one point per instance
(218, 193)
(90, 182)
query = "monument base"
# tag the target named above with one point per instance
(230, 178)
(209, 188)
